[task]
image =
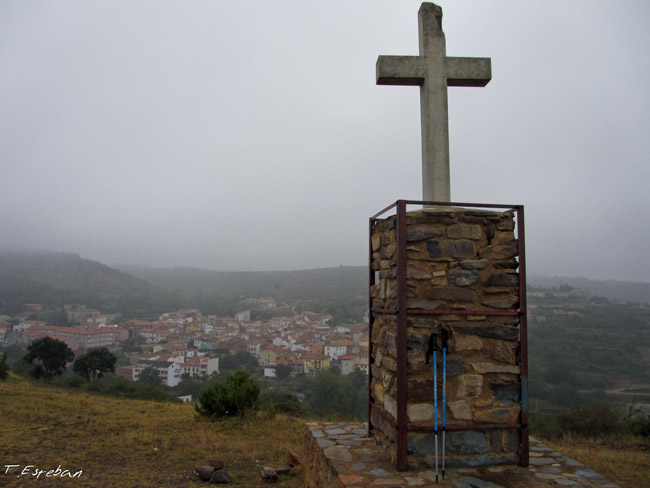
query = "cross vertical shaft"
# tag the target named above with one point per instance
(433, 72)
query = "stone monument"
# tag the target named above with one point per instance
(447, 270)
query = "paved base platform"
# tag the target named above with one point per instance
(339, 455)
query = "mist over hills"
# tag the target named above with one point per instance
(617, 290)
(55, 278)
(68, 271)
(340, 283)
(605, 344)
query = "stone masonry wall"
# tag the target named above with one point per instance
(457, 260)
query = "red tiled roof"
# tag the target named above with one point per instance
(75, 330)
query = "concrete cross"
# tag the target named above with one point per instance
(433, 71)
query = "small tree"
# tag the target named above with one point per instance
(51, 356)
(280, 401)
(4, 368)
(150, 376)
(95, 363)
(232, 396)
(283, 371)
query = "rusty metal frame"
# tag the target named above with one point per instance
(401, 424)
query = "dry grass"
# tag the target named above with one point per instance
(623, 460)
(131, 443)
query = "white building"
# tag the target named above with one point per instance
(151, 336)
(335, 351)
(253, 349)
(200, 366)
(168, 372)
(348, 364)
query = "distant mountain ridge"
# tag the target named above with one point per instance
(340, 283)
(615, 290)
(54, 278)
(69, 271)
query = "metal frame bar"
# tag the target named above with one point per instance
(401, 311)
(371, 320)
(417, 311)
(523, 335)
(402, 365)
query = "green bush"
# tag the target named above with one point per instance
(276, 401)
(639, 426)
(589, 421)
(332, 396)
(231, 396)
(95, 363)
(544, 426)
(594, 420)
(4, 368)
(49, 357)
(69, 381)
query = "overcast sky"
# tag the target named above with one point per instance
(251, 135)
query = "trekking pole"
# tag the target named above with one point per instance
(445, 337)
(433, 345)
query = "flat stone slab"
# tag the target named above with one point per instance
(337, 454)
(543, 461)
(325, 443)
(587, 473)
(381, 473)
(331, 462)
(467, 482)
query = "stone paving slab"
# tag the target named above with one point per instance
(342, 455)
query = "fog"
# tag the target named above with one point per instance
(252, 136)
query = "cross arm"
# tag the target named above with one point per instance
(468, 71)
(400, 70)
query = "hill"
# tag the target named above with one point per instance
(130, 442)
(54, 279)
(616, 290)
(341, 283)
(582, 346)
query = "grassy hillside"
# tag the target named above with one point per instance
(143, 444)
(581, 347)
(132, 443)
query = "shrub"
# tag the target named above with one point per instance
(231, 396)
(330, 395)
(544, 426)
(149, 375)
(4, 368)
(594, 420)
(280, 401)
(639, 426)
(94, 364)
(51, 356)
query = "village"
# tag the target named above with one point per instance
(187, 344)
